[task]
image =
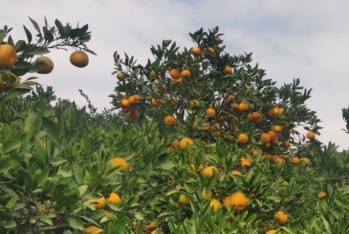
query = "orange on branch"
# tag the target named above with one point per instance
(196, 51)
(113, 198)
(175, 74)
(280, 217)
(8, 55)
(227, 70)
(170, 121)
(243, 138)
(183, 143)
(79, 59)
(118, 162)
(186, 73)
(44, 65)
(310, 135)
(243, 106)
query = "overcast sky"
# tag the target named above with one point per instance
(289, 39)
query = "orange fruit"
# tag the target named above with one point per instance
(170, 120)
(227, 70)
(210, 112)
(153, 102)
(245, 162)
(8, 55)
(152, 226)
(174, 143)
(156, 232)
(206, 196)
(206, 125)
(239, 200)
(133, 114)
(280, 160)
(44, 65)
(277, 129)
(99, 203)
(153, 75)
(295, 160)
(183, 143)
(92, 230)
(137, 97)
(215, 204)
(183, 199)
(265, 137)
(113, 198)
(125, 103)
(210, 53)
(175, 74)
(243, 138)
(79, 59)
(118, 162)
(305, 160)
(243, 106)
(280, 217)
(208, 171)
(185, 73)
(322, 195)
(272, 232)
(235, 172)
(272, 135)
(196, 51)
(310, 135)
(120, 76)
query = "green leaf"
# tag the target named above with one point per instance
(130, 185)
(10, 145)
(51, 130)
(37, 51)
(79, 177)
(60, 27)
(95, 181)
(16, 93)
(71, 120)
(2, 35)
(41, 151)
(11, 202)
(29, 35)
(36, 26)
(9, 162)
(85, 145)
(9, 224)
(76, 223)
(167, 165)
(116, 227)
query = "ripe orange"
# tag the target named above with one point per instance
(183, 199)
(99, 203)
(243, 138)
(277, 129)
(186, 73)
(310, 135)
(196, 51)
(183, 143)
(239, 200)
(44, 65)
(305, 160)
(153, 102)
(170, 120)
(295, 160)
(208, 171)
(215, 204)
(235, 172)
(113, 198)
(245, 162)
(272, 135)
(206, 196)
(118, 162)
(79, 59)
(206, 125)
(227, 70)
(153, 75)
(287, 144)
(272, 232)
(156, 232)
(120, 76)
(8, 55)
(175, 74)
(322, 195)
(174, 143)
(210, 53)
(125, 103)
(152, 226)
(134, 114)
(210, 112)
(243, 106)
(280, 217)
(265, 137)
(280, 160)
(92, 230)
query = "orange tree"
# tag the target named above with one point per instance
(18, 58)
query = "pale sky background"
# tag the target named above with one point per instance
(289, 39)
